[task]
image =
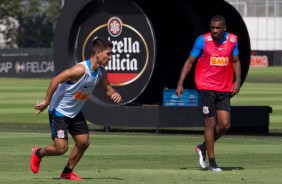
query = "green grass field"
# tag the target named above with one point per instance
(263, 87)
(145, 159)
(141, 158)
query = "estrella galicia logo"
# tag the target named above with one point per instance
(130, 51)
(134, 47)
(114, 26)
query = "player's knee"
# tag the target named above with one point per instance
(224, 126)
(210, 123)
(83, 145)
(61, 150)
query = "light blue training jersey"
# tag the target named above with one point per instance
(69, 98)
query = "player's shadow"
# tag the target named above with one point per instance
(106, 178)
(232, 168)
(223, 168)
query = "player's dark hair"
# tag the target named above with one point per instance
(100, 44)
(218, 18)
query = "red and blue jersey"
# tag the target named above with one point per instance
(214, 70)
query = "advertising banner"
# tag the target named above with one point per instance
(26, 64)
(124, 24)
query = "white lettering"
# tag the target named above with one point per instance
(125, 46)
(37, 67)
(124, 64)
(5, 67)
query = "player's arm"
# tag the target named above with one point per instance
(115, 96)
(237, 70)
(184, 72)
(72, 74)
(194, 54)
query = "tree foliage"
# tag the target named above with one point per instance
(36, 20)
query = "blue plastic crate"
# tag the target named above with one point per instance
(190, 97)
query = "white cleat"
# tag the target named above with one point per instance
(215, 169)
(202, 157)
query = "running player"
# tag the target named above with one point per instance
(66, 95)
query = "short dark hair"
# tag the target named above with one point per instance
(100, 44)
(218, 18)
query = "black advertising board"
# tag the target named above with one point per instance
(26, 64)
(123, 23)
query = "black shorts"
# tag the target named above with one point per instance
(60, 125)
(210, 101)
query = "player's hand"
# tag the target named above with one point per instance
(235, 88)
(116, 97)
(40, 107)
(179, 90)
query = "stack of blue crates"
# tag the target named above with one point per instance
(190, 97)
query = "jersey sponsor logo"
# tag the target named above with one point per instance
(80, 96)
(219, 61)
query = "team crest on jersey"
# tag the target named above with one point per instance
(209, 38)
(60, 134)
(232, 39)
(206, 110)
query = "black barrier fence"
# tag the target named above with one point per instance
(244, 119)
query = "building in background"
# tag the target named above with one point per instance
(263, 19)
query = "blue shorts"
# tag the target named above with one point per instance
(60, 125)
(211, 101)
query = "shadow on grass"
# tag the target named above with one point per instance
(223, 168)
(109, 178)
(232, 168)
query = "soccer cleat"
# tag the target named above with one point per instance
(34, 161)
(214, 168)
(202, 156)
(70, 176)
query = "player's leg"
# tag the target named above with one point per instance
(60, 138)
(223, 118)
(223, 123)
(59, 147)
(79, 130)
(81, 144)
(210, 124)
(223, 114)
(208, 111)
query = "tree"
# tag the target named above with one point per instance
(9, 10)
(37, 20)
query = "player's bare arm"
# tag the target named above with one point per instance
(237, 72)
(184, 72)
(115, 96)
(72, 74)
